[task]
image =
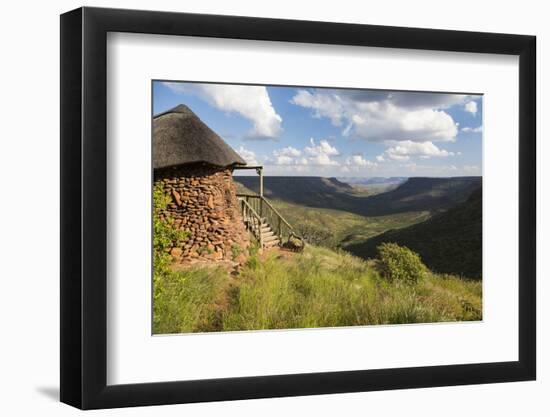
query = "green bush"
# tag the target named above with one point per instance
(165, 236)
(236, 250)
(400, 264)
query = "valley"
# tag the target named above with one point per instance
(440, 218)
(448, 242)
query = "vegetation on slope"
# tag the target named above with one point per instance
(317, 288)
(450, 242)
(368, 186)
(373, 180)
(367, 190)
(331, 227)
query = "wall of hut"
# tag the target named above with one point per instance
(204, 203)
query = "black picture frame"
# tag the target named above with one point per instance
(84, 207)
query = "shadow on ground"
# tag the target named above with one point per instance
(50, 392)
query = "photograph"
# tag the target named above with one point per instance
(327, 204)
(299, 207)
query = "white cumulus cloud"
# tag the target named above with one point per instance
(288, 151)
(359, 161)
(404, 150)
(251, 102)
(471, 107)
(478, 129)
(248, 155)
(320, 154)
(287, 156)
(380, 116)
(316, 154)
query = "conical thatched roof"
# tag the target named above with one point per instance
(180, 137)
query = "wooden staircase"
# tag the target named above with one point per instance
(269, 238)
(265, 223)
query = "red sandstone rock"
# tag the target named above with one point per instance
(177, 197)
(176, 252)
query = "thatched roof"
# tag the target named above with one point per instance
(180, 137)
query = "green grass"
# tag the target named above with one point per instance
(317, 288)
(186, 301)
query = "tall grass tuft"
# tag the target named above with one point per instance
(189, 301)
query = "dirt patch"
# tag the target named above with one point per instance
(229, 266)
(278, 253)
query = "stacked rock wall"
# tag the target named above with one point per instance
(204, 204)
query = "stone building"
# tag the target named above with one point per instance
(195, 167)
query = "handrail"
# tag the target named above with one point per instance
(277, 213)
(265, 211)
(256, 215)
(255, 228)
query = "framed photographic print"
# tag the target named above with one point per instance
(258, 207)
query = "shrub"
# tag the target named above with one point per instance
(400, 264)
(314, 233)
(205, 251)
(236, 250)
(165, 236)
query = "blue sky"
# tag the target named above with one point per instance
(338, 132)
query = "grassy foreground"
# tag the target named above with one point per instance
(317, 288)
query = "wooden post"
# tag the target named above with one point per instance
(260, 234)
(261, 182)
(259, 171)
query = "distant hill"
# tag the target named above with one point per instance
(449, 242)
(336, 183)
(307, 191)
(421, 193)
(372, 180)
(416, 194)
